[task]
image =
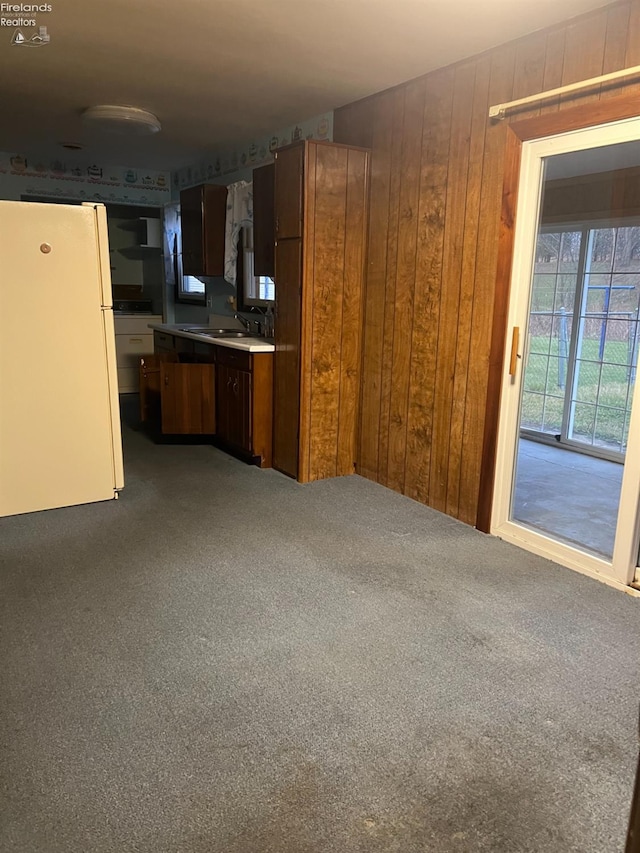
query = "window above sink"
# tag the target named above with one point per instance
(253, 290)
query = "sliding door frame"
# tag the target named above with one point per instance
(573, 118)
(553, 124)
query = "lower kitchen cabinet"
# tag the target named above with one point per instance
(209, 389)
(179, 397)
(244, 402)
(233, 389)
(187, 395)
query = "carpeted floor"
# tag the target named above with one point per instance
(224, 661)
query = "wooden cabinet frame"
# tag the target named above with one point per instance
(321, 238)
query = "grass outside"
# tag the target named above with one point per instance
(600, 415)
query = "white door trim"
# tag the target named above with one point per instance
(620, 571)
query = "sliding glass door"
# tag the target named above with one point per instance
(568, 467)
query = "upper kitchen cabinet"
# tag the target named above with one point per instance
(289, 192)
(264, 223)
(321, 192)
(202, 214)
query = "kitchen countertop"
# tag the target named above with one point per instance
(253, 344)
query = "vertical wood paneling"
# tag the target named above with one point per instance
(584, 55)
(485, 292)
(354, 250)
(553, 67)
(632, 52)
(433, 287)
(355, 124)
(380, 118)
(451, 280)
(430, 245)
(306, 302)
(390, 285)
(615, 45)
(479, 117)
(329, 251)
(405, 281)
(529, 71)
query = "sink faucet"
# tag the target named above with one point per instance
(244, 322)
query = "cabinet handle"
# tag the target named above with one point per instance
(235, 387)
(166, 379)
(135, 340)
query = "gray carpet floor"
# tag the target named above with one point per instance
(225, 661)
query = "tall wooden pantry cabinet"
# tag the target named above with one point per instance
(321, 191)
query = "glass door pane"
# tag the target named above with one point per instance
(553, 291)
(580, 351)
(606, 345)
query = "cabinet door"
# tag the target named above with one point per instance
(234, 407)
(203, 215)
(264, 224)
(215, 215)
(289, 166)
(223, 393)
(241, 410)
(286, 399)
(191, 227)
(187, 399)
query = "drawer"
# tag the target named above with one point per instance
(161, 340)
(206, 352)
(129, 348)
(128, 380)
(135, 325)
(233, 358)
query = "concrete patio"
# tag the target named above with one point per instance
(567, 494)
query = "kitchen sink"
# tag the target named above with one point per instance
(220, 333)
(206, 331)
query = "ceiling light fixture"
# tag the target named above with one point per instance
(125, 120)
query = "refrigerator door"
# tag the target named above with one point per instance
(114, 402)
(102, 237)
(56, 391)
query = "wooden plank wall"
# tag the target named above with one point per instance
(335, 223)
(436, 190)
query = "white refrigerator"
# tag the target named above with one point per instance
(60, 442)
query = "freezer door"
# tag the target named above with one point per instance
(57, 393)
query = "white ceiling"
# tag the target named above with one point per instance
(216, 71)
(607, 158)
